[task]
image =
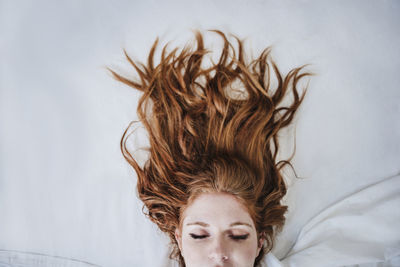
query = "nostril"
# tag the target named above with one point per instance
(218, 257)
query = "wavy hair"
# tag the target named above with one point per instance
(208, 133)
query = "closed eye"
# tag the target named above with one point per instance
(239, 237)
(198, 236)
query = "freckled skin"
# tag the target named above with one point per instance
(209, 238)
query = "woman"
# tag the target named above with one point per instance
(212, 181)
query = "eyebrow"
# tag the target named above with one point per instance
(240, 223)
(199, 223)
(207, 225)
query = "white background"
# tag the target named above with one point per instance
(65, 189)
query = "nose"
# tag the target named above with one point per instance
(218, 253)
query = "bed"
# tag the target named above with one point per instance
(67, 194)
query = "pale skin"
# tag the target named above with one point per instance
(217, 231)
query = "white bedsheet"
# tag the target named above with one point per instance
(65, 189)
(361, 229)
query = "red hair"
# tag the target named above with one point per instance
(204, 138)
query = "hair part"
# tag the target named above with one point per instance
(203, 138)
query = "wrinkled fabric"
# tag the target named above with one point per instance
(359, 230)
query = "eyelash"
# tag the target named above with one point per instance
(234, 237)
(198, 236)
(239, 237)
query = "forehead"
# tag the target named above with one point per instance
(216, 208)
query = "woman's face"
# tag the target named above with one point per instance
(216, 231)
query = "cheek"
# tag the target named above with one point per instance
(245, 254)
(194, 253)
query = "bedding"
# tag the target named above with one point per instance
(66, 190)
(362, 229)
